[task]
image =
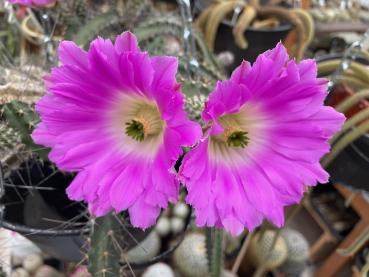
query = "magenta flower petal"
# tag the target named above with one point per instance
(268, 131)
(126, 42)
(115, 116)
(71, 54)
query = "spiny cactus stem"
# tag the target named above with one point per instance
(214, 247)
(208, 245)
(22, 118)
(104, 253)
(217, 265)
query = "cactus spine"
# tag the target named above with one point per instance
(104, 252)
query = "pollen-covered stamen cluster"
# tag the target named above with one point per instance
(234, 134)
(135, 129)
(146, 122)
(235, 137)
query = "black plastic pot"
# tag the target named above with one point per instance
(351, 166)
(35, 205)
(259, 40)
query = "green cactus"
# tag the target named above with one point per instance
(81, 9)
(214, 249)
(10, 145)
(23, 119)
(9, 138)
(105, 251)
(159, 25)
(105, 25)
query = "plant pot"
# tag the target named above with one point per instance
(350, 168)
(35, 205)
(259, 41)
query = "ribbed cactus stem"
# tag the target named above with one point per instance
(104, 252)
(214, 247)
(208, 245)
(96, 26)
(22, 118)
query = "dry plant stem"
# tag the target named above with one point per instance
(34, 20)
(353, 81)
(365, 54)
(307, 21)
(351, 74)
(267, 23)
(344, 141)
(247, 16)
(293, 213)
(215, 18)
(284, 14)
(308, 24)
(200, 22)
(328, 67)
(260, 271)
(350, 123)
(351, 101)
(242, 253)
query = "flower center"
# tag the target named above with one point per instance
(234, 135)
(144, 123)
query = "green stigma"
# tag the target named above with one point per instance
(238, 139)
(135, 129)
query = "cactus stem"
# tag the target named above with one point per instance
(214, 247)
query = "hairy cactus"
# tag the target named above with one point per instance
(23, 119)
(190, 256)
(10, 146)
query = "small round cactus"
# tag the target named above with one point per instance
(181, 210)
(190, 257)
(32, 263)
(264, 254)
(298, 252)
(163, 226)
(177, 225)
(158, 270)
(146, 250)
